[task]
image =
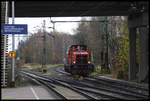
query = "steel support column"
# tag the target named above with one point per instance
(132, 54)
(143, 53)
(143, 47)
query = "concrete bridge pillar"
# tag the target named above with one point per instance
(143, 48)
(141, 21)
(132, 54)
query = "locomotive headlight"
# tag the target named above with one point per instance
(74, 62)
(89, 62)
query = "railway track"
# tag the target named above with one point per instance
(87, 93)
(45, 84)
(122, 88)
(51, 83)
(88, 88)
(105, 92)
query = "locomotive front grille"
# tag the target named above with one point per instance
(81, 59)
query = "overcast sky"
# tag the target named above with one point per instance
(34, 22)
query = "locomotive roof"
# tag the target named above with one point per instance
(78, 45)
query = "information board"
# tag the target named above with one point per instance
(14, 29)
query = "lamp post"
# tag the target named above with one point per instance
(13, 45)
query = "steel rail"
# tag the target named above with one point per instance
(105, 90)
(121, 82)
(101, 91)
(49, 87)
(111, 88)
(52, 88)
(128, 89)
(118, 82)
(66, 85)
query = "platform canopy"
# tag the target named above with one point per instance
(74, 8)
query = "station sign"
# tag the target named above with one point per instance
(14, 29)
(11, 54)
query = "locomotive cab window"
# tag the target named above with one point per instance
(83, 48)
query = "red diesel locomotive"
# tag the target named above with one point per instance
(78, 61)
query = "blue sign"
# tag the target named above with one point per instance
(14, 29)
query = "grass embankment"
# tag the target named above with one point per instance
(38, 67)
(99, 71)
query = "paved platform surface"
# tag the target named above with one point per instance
(29, 92)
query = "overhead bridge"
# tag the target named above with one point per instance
(137, 12)
(75, 8)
